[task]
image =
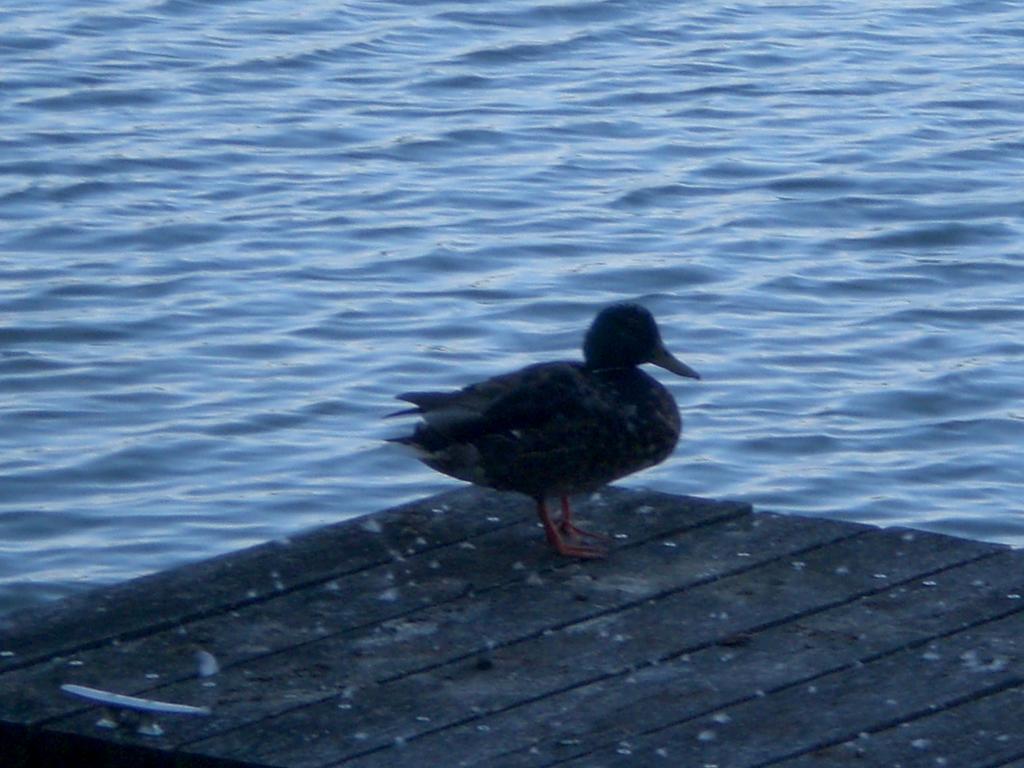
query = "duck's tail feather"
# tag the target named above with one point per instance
(403, 412)
(411, 445)
(424, 441)
(447, 412)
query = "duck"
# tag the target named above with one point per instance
(555, 429)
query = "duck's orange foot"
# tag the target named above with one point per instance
(567, 539)
(583, 551)
(577, 545)
(571, 529)
(567, 526)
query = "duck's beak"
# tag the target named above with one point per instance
(665, 359)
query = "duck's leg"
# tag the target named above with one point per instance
(566, 525)
(553, 533)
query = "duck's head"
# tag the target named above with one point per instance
(625, 335)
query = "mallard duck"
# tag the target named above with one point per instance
(559, 428)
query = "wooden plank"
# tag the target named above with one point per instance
(982, 733)
(170, 598)
(458, 638)
(733, 644)
(810, 715)
(525, 606)
(363, 599)
(701, 683)
(398, 676)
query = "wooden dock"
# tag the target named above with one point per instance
(446, 633)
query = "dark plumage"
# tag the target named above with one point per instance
(558, 428)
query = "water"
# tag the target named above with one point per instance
(233, 231)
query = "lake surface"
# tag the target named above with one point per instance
(233, 231)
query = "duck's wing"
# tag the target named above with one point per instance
(525, 399)
(441, 408)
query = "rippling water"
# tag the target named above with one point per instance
(232, 231)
